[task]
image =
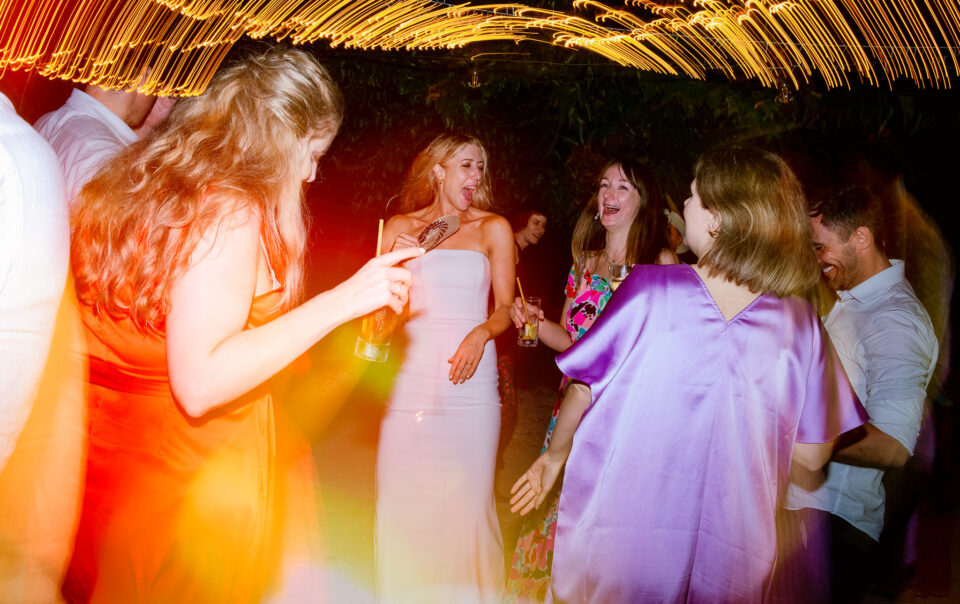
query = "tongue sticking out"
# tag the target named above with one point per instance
(468, 193)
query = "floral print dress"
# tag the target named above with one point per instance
(529, 574)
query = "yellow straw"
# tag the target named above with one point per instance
(379, 236)
(523, 301)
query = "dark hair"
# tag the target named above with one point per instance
(763, 241)
(519, 220)
(845, 210)
(648, 233)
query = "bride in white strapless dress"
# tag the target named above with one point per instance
(437, 535)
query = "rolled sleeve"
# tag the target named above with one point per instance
(898, 355)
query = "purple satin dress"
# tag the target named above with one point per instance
(677, 467)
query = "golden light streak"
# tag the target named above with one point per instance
(109, 42)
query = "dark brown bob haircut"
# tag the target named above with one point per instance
(763, 241)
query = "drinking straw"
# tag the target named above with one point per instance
(523, 301)
(379, 236)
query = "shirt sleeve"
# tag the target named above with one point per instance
(898, 352)
(830, 407)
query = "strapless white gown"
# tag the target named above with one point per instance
(437, 536)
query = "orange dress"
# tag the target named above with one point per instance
(179, 509)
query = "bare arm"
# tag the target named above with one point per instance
(532, 488)
(212, 358)
(498, 239)
(870, 447)
(812, 456)
(554, 335)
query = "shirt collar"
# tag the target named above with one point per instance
(877, 284)
(84, 103)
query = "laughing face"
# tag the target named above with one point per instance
(536, 226)
(618, 200)
(460, 176)
(837, 258)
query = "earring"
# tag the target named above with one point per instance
(597, 215)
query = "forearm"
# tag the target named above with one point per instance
(496, 323)
(553, 335)
(870, 447)
(250, 357)
(575, 401)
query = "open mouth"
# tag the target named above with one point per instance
(610, 210)
(828, 270)
(468, 193)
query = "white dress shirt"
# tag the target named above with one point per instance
(888, 349)
(34, 252)
(84, 134)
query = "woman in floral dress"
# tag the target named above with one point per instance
(624, 224)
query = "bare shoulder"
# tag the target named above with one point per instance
(494, 224)
(403, 223)
(668, 256)
(236, 221)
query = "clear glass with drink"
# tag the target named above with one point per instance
(618, 272)
(528, 336)
(376, 331)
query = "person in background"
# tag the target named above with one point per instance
(528, 227)
(94, 125)
(623, 223)
(888, 348)
(187, 249)
(675, 471)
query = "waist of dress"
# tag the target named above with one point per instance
(108, 375)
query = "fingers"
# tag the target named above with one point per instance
(462, 368)
(397, 255)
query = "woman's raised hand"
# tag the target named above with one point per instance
(518, 315)
(379, 283)
(532, 488)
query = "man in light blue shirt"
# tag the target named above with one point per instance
(888, 349)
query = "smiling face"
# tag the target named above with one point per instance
(618, 201)
(700, 222)
(838, 260)
(314, 147)
(536, 226)
(460, 176)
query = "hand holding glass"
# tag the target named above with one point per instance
(376, 331)
(528, 336)
(618, 272)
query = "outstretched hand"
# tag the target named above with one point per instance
(532, 488)
(379, 283)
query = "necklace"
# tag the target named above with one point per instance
(611, 260)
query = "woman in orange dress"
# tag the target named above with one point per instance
(187, 250)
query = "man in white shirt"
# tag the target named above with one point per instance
(41, 402)
(888, 349)
(91, 127)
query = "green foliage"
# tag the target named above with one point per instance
(550, 117)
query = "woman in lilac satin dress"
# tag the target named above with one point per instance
(676, 469)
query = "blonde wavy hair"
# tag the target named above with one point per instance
(421, 185)
(763, 241)
(238, 145)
